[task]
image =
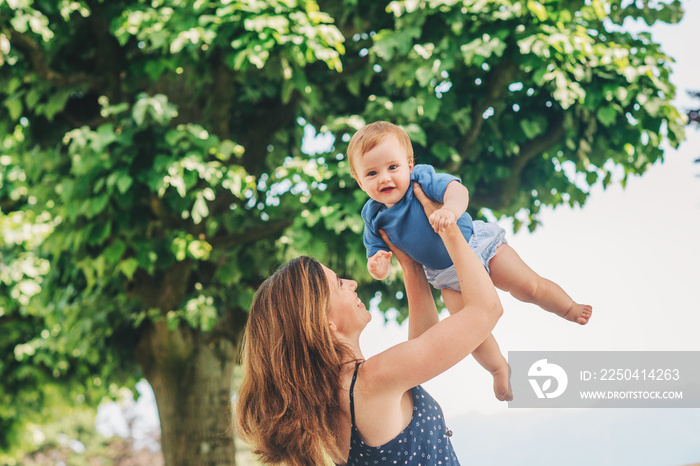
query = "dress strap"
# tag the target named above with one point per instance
(352, 396)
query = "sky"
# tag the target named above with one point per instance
(629, 253)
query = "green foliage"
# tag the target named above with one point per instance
(66, 434)
(507, 92)
(152, 170)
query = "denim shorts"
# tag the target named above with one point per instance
(484, 242)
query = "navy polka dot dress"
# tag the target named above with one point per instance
(424, 442)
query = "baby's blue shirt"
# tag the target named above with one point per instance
(406, 224)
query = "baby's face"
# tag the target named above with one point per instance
(384, 172)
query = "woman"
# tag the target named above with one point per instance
(308, 393)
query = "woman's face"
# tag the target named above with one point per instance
(347, 312)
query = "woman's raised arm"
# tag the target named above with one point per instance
(422, 313)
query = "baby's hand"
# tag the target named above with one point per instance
(379, 265)
(441, 219)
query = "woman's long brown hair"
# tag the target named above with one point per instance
(288, 404)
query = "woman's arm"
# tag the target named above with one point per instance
(456, 201)
(422, 313)
(456, 198)
(444, 344)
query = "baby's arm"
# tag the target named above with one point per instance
(455, 204)
(379, 265)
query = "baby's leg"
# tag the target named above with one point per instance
(488, 354)
(510, 273)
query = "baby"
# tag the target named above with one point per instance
(381, 161)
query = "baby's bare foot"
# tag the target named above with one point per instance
(579, 313)
(501, 383)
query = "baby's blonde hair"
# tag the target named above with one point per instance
(371, 136)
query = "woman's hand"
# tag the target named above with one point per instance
(429, 206)
(404, 259)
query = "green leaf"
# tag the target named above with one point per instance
(179, 248)
(157, 107)
(97, 205)
(124, 182)
(387, 42)
(114, 252)
(537, 9)
(154, 68)
(606, 115)
(443, 152)
(199, 250)
(32, 98)
(103, 137)
(200, 210)
(57, 102)
(14, 106)
(128, 267)
(531, 128)
(100, 232)
(139, 112)
(538, 75)
(416, 134)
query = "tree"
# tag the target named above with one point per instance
(156, 146)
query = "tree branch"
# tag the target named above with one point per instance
(499, 78)
(257, 130)
(37, 59)
(541, 143)
(222, 97)
(109, 53)
(505, 191)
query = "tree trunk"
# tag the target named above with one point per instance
(191, 378)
